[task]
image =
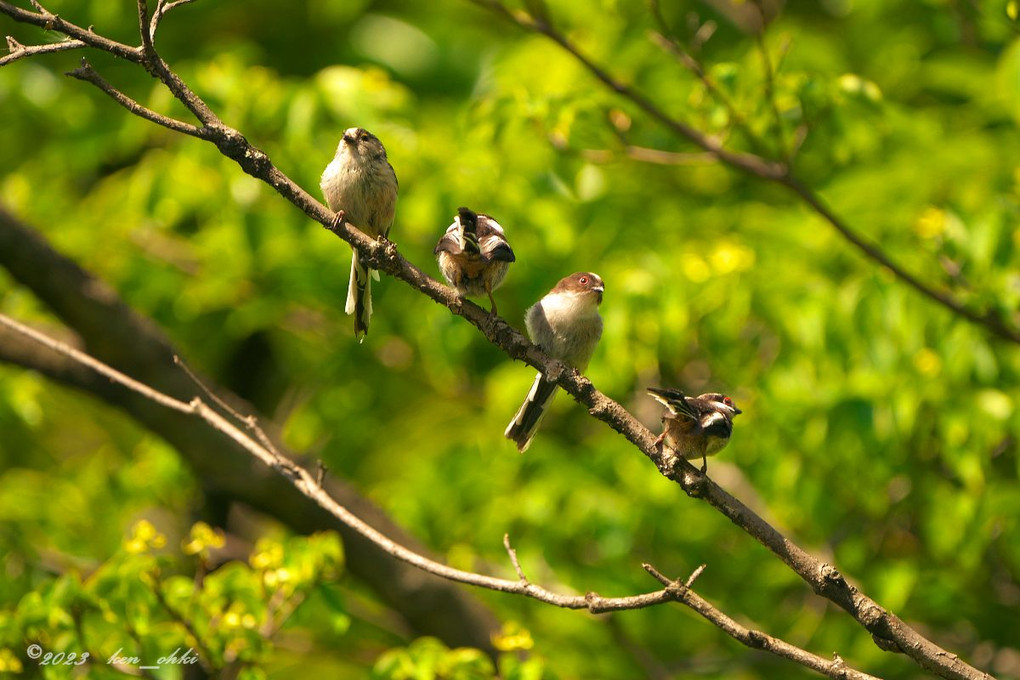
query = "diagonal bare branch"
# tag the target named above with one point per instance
(989, 321)
(305, 482)
(755, 639)
(107, 328)
(87, 73)
(755, 165)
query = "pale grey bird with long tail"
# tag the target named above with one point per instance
(567, 326)
(360, 184)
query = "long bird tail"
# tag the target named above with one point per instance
(359, 297)
(524, 425)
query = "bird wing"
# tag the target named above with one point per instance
(450, 242)
(716, 424)
(492, 242)
(676, 401)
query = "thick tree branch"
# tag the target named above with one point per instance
(305, 482)
(756, 166)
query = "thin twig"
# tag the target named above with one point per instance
(656, 574)
(249, 421)
(148, 49)
(667, 40)
(513, 558)
(208, 392)
(770, 85)
(694, 576)
(88, 74)
(163, 7)
(19, 51)
(155, 65)
(51, 22)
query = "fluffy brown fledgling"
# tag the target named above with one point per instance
(567, 326)
(695, 427)
(360, 184)
(474, 255)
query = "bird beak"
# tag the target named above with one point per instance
(349, 139)
(598, 290)
(736, 410)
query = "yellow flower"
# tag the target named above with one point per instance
(931, 223)
(203, 538)
(144, 537)
(512, 637)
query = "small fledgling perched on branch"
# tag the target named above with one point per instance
(695, 427)
(360, 186)
(474, 255)
(567, 326)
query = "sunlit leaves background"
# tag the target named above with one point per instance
(878, 430)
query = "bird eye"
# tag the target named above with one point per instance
(583, 280)
(727, 401)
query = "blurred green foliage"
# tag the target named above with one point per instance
(879, 431)
(133, 611)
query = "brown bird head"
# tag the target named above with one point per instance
(584, 284)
